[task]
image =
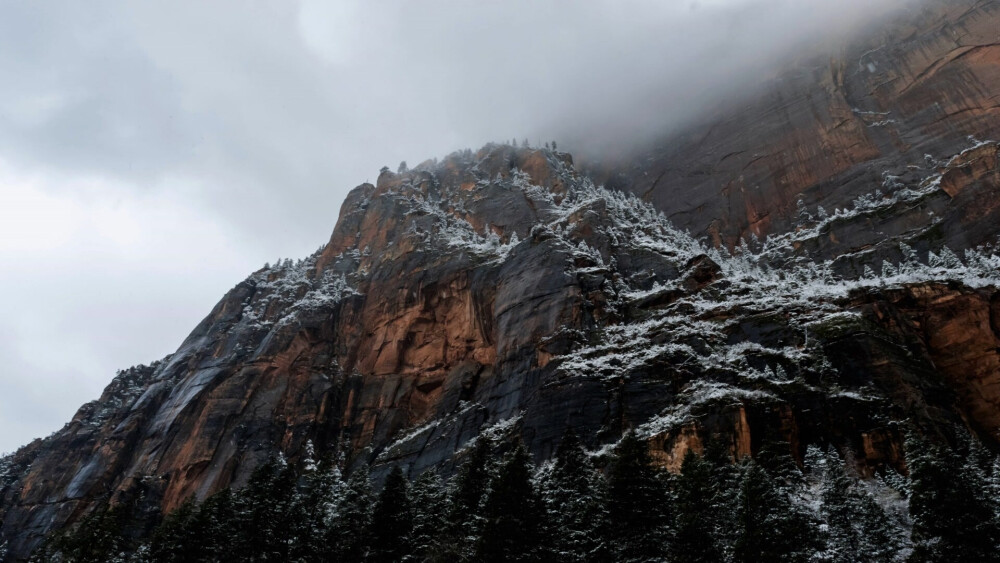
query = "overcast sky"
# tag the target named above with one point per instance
(152, 154)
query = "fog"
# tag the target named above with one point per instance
(152, 154)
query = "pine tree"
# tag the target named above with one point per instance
(575, 498)
(468, 490)
(348, 536)
(910, 262)
(726, 479)
(776, 458)
(97, 538)
(392, 520)
(949, 259)
(172, 540)
(637, 503)
(804, 217)
(953, 520)
(429, 515)
(324, 491)
(881, 537)
(512, 514)
(858, 528)
(696, 510)
(217, 524)
(269, 512)
(770, 527)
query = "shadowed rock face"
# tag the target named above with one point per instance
(502, 293)
(890, 107)
(474, 297)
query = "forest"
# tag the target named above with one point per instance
(579, 506)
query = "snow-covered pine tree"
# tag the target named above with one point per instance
(769, 527)
(775, 457)
(575, 497)
(696, 510)
(392, 520)
(348, 538)
(512, 514)
(429, 515)
(952, 518)
(910, 263)
(858, 528)
(949, 259)
(269, 511)
(465, 499)
(637, 503)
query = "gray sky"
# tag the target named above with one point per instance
(152, 154)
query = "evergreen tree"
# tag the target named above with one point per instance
(953, 520)
(512, 514)
(994, 485)
(429, 515)
(725, 479)
(324, 491)
(637, 503)
(858, 528)
(770, 527)
(348, 536)
(468, 489)
(575, 499)
(97, 538)
(392, 520)
(696, 509)
(172, 541)
(217, 524)
(775, 457)
(269, 512)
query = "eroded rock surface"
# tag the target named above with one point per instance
(883, 113)
(473, 296)
(500, 292)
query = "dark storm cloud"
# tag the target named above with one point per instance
(176, 146)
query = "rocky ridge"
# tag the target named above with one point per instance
(500, 292)
(814, 266)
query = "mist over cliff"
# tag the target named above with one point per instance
(785, 266)
(142, 141)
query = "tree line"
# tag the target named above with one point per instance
(624, 508)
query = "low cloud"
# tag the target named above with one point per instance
(175, 147)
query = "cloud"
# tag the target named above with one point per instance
(156, 152)
(95, 278)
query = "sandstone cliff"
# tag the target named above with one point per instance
(503, 292)
(890, 107)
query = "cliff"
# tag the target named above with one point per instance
(503, 292)
(890, 107)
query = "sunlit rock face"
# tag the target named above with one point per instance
(503, 293)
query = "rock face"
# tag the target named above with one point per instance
(501, 292)
(886, 110)
(474, 297)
